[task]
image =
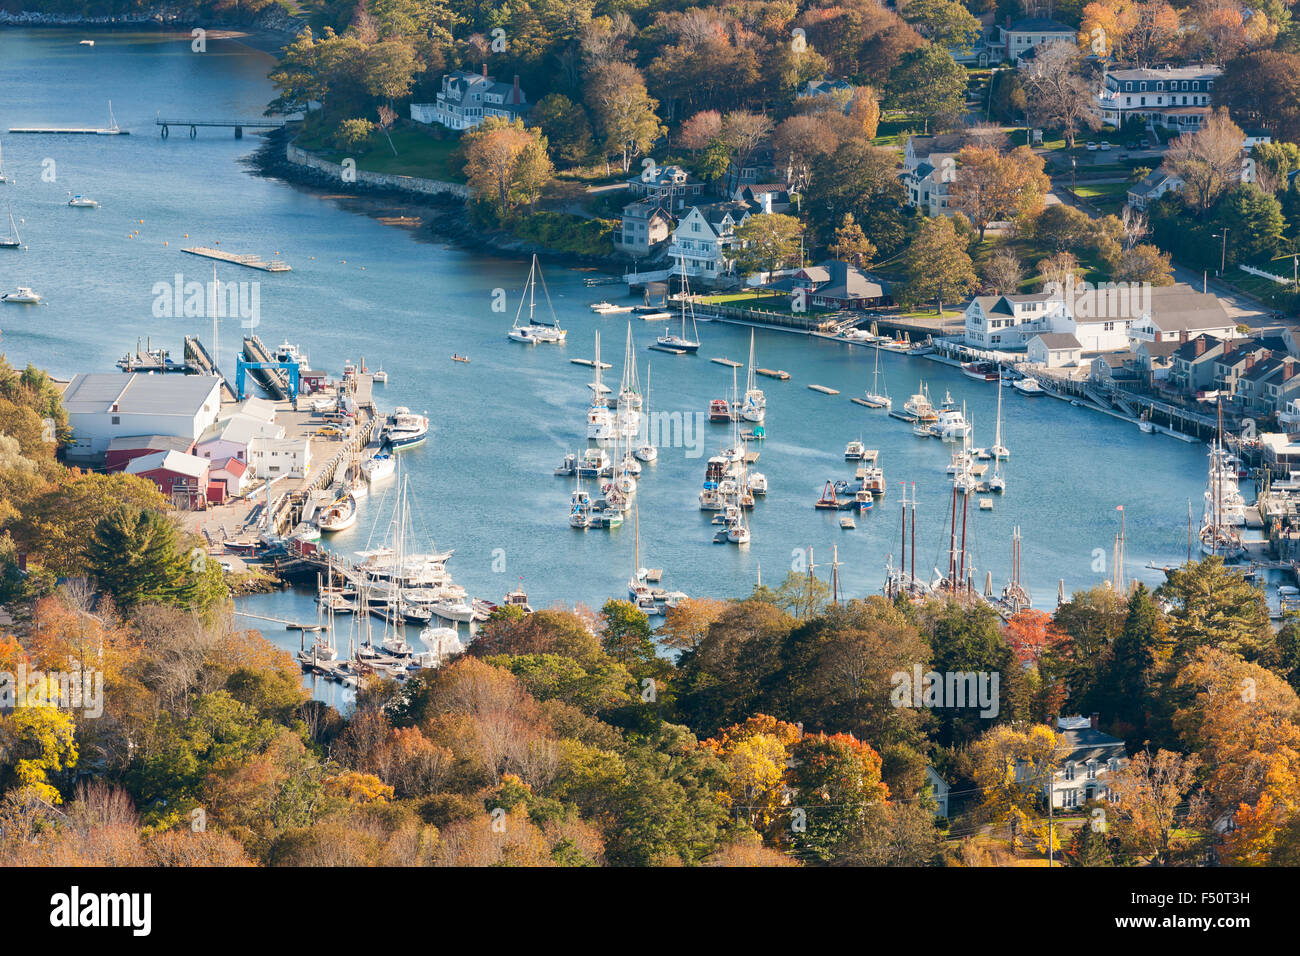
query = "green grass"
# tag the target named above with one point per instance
(419, 154)
(752, 300)
(1102, 190)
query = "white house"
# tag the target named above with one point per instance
(1151, 187)
(1055, 349)
(231, 437)
(704, 238)
(274, 457)
(929, 165)
(938, 789)
(995, 321)
(1173, 97)
(1091, 760)
(1024, 36)
(467, 99)
(1178, 312)
(102, 407)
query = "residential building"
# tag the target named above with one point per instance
(1020, 38)
(993, 321)
(671, 187)
(815, 88)
(1151, 187)
(1192, 369)
(182, 478)
(1091, 760)
(1154, 359)
(765, 197)
(704, 238)
(1055, 349)
(838, 285)
(1177, 311)
(646, 226)
(102, 407)
(467, 99)
(1173, 97)
(939, 790)
(929, 165)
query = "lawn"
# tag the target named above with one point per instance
(778, 303)
(419, 153)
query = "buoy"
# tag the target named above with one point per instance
(164, 242)
(187, 235)
(142, 222)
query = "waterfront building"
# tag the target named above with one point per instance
(704, 238)
(1055, 349)
(467, 99)
(182, 478)
(232, 436)
(1176, 98)
(836, 285)
(122, 450)
(1154, 359)
(276, 457)
(1001, 321)
(105, 406)
(670, 187)
(232, 475)
(646, 226)
(929, 165)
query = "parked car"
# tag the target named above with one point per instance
(1092, 147)
(1104, 147)
(1132, 144)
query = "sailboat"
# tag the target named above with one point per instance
(13, 240)
(629, 400)
(754, 406)
(3, 178)
(113, 129)
(646, 451)
(637, 588)
(682, 342)
(340, 515)
(999, 451)
(878, 397)
(600, 419)
(535, 331)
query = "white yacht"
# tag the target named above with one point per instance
(340, 515)
(379, 467)
(952, 424)
(405, 429)
(1027, 386)
(920, 407)
(753, 407)
(21, 296)
(854, 451)
(602, 424)
(82, 202)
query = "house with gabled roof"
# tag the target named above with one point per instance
(1151, 187)
(1173, 97)
(703, 241)
(1028, 34)
(929, 165)
(1090, 761)
(645, 227)
(182, 478)
(671, 187)
(994, 321)
(467, 99)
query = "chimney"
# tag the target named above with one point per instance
(1228, 345)
(1288, 369)
(1094, 721)
(485, 76)
(1182, 336)
(1200, 345)
(1250, 361)
(515, 96)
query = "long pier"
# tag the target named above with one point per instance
(239, 125)
(71, 130)
(239, 259)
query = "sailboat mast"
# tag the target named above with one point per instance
(532, 288)
(913, 530)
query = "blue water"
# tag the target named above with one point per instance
(483, 484)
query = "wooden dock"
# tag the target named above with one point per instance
(774, 373)
(825, 390)
(664, 348)
(240, 259)
(590, 363)
(70, 130)
(730, 363)
(237, 125)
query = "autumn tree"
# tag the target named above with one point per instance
(943, 22)
(506, 164)
(624, 112)
(1262, 89)
(835, 781)
(993, 186)
(1057, 94)
(1144, 263)
(1208, 161)
(851, 243)
(929, 84)
(1012, 767)
(687, 622)
(1147, 797)
(937, 266)
(768, 242)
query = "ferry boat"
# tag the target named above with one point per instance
(405, 429)
(981, 371)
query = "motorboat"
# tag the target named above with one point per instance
(21, 296)
(82, 202)
(756, 483)
(952, 425)
(920, 407)
(719, 410)
(609, 308)
(981, 371)
(518, 598)
(442, 642)
(380, 376)
(1027, 386)
(340, 515)
(405, 429)
(854, 451)
(379, 467)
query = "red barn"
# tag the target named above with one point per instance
(122, 450)
(182, 478)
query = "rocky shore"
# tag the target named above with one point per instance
(268, 30)
(439, 217)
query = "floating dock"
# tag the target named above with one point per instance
(730, 363)
(824, 389)
(774, 373)
(70, 130)
(590, 363)
(251, 261)
(664, 348)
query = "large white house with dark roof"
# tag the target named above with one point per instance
(467, 99)
(1173, 97)
(704, 238)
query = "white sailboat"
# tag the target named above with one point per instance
(637, 588)
(753, 407)
(878, 397)
(535, 332)
(600, 418)
(999, 451)
(628, 404)
(13, 240)
(682, 342)
(646, 451)
(340, 515)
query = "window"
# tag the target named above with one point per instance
(117, 420)
(1092, 770)
(1069, 770)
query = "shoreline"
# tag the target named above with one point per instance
(440, 218)
(270, 31)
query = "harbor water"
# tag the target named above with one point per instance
(500, 424)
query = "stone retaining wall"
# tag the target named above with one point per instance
(413, 184)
